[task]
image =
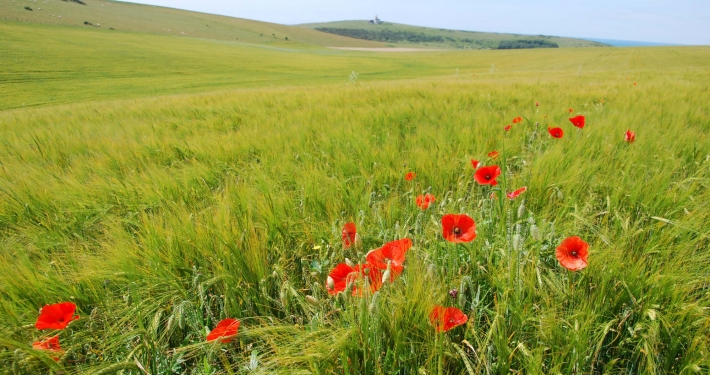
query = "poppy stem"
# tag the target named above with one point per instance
(440, 352)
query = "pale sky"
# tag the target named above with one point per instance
(661, 21)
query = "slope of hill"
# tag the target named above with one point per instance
(395, 34)
(159, 20)
(48, 64)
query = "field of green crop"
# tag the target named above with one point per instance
(163, 184)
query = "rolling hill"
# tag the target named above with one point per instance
(399, 35)
(114, 15)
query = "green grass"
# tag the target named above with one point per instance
(451, 38)
(159, 215)
(45, 64)
(124, 16)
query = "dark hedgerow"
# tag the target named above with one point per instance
(527, 43)
(383, 35)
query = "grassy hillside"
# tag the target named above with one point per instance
(124, 16)
(161, 214)
(45, 64)
(395, 34)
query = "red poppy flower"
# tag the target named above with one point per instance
(487, 175)
(516, 193)
(507, 128)
(224, 331)
(555, 132)
(423, 201)
(49, 344)
(393, 253)
(446, 318)
(342, 275)
(629, 136)
(475, 163)
(572, 253)
(517, 120)
(537, 104)
(458, 228)
(410, 176)
(57, 316)
(570, 110)
(493, 154)
(577, 121)
(349, 234)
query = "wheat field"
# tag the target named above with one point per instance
(164, 201)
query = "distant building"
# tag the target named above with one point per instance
(376, 21)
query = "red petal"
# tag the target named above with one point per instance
(225, 330)
(445, 319)
(56, 316)
(516, 193)
(465, 224)
(487, 175)
(348, 234)
(565, 257)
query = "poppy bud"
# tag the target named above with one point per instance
(349, 288)
(386, 276)
(349, 262)
(516, 242)
(535, 232)
(373, 304)
(312, 300)
(454, 293)
(283, 297)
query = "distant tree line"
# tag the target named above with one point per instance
(527, 43)
(384, 35)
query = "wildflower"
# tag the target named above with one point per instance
(634, 83)
(393, 253)
(475, 163)
(458, 228)
(349, 234)
(629, 136)
(516, 193)
(517, 120)
(493, 154)
(446, 318)
(410, 176)
(555, 132)
(343, 276)
(224, 331)
(454, 293)
(577, 121)
(487, 175)
(570, 110)
(507, 128)
(572, 253)
(537, 104)
(57, 316)
(423, 201)
(50, 344)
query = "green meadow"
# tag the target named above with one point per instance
(164, 183)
